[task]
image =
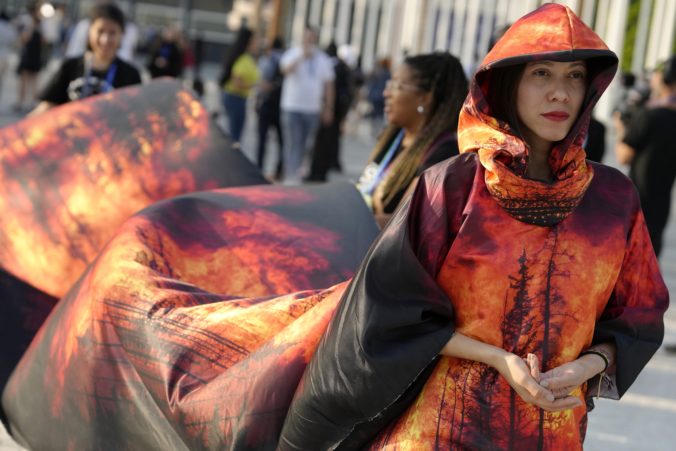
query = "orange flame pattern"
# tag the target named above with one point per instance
(186, 316)
(68, 178)
(194, 326)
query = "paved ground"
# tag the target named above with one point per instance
(644, 420)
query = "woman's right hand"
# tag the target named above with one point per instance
(520, 378)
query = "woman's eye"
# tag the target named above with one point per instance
(540, 73)
(578, 75)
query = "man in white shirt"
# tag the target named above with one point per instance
(307, 98)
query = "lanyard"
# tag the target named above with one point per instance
(110, 77)
(384, 163)
(165, 50)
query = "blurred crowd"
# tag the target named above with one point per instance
(308, 96)
(44, 33)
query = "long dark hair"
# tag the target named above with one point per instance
(503, 84)
(237, 49)
(441, 74)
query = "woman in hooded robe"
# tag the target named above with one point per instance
(515, 282)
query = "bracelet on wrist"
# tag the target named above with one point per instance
(606, 364)
(603, 355)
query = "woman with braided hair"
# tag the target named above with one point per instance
(422, 104)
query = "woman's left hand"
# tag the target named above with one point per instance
(565, 378)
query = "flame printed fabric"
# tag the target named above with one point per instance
(71, 176)
(530, 267)
(23, 309)
(453, 260)
(205, 322)
(119, 152)
(194, 325)
(552, 32)
(190, 331)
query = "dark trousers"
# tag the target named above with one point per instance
(325, 152)
(265, 121)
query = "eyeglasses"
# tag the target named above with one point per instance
(396, 85)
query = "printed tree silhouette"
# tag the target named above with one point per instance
(553, 306)
(519, 333)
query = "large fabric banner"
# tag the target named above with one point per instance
(193, 327)
(71, 176)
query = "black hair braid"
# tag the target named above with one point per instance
(441, 74)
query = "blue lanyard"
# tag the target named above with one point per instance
(385, 162)
(165, 50)
(110, 77)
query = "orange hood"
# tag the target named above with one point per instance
(552, 32)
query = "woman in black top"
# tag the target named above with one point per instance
(99, 70)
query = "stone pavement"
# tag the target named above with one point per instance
(644, 420)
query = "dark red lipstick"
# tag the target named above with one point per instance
(558, 116)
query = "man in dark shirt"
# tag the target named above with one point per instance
(649, 146)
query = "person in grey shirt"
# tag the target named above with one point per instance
(8, 37)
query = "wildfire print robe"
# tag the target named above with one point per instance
(530, 267)
(205, 322)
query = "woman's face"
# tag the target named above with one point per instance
(549, 97)
(403, 96)
(104, 37)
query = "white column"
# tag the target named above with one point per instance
(428, 29)
(384, 44)
(487, 26)
(603, 14)
(458, 30)
(369, 56)
(327, 22)
(587, 14)
(518, 8)
(572, 4)
(615, 28)
(531, 5)
(637, 64)
(358, 24)
(410, 25)
(298, 21)
(502, 13)
(315, 12)
(470, 41)
(614, 39)
(396, 32)
(441, 42)
(655, 34)
(668, 24)
(342, 30)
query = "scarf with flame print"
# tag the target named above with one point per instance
(552, 32)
